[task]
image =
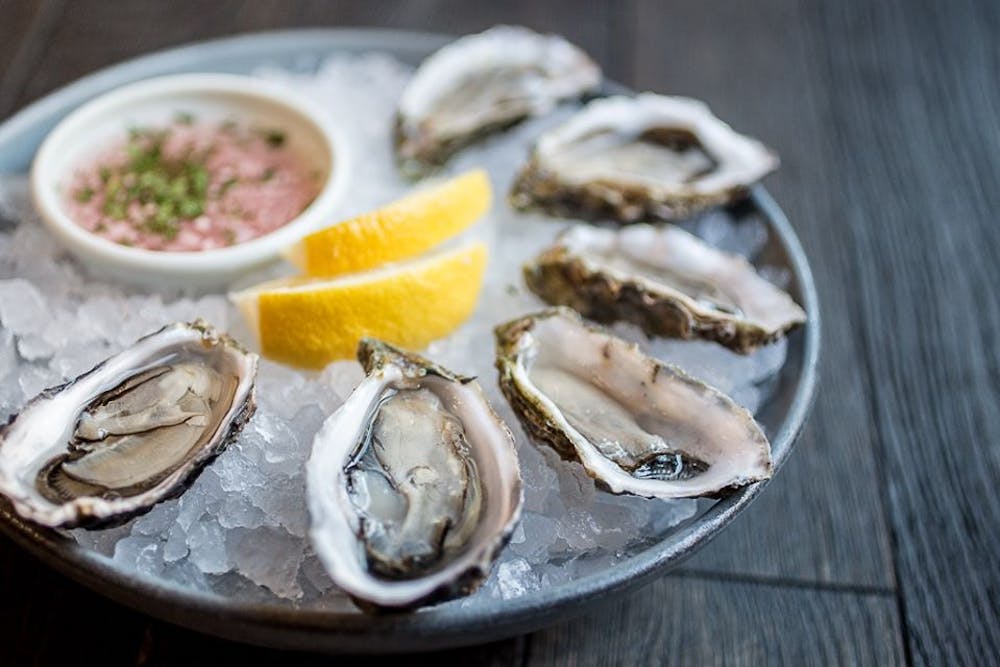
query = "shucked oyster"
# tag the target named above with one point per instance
(636, 424)
(135, 430)
(413, 484)
(483, 83)
(647, 157)
(665, 280)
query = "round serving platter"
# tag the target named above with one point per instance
(283, 625)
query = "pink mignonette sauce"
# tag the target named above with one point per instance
(191, 186)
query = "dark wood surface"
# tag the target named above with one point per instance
(878, 543)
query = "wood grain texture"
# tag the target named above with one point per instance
(593, 21)
(822, 518)
(24, 27)
(917, 117)
(166, 646)
(693, 621)
(47, 620)
(878, 541)
(96, 33)
(676, 621)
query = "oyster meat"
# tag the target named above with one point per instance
(482, 83)
(665, 280)
(649, 157)
(135, 430)
(637, 425)
(413, 484)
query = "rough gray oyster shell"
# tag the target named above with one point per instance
(135, 430)
(413, 484)
(637, 425)
(482, 83)
(649, 157)
(665, 280)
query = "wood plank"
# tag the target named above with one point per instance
(167, 645)
(95, 33)
(675, 621)
(46, 619)
(694, 621)
(23, 33)
(658, 625)
(587, 23)
(722, 617)
(917, 116)
(822, 518)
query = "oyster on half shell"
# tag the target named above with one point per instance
(482, 83)
(413, 484)
(649, 157)
(637, 425)
(135, 430)
(665, 280)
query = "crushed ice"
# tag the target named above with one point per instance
(240, 530)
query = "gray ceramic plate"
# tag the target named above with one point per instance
(283, 626)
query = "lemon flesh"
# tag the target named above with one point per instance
(309, 322)
(401, 230)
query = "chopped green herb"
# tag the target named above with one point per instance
(228, 183)
(190, 208)
(163, 179)
(167, 190)
(163, 223)
(274, 138)
(179, 187)
(114, 210)
(199, 179)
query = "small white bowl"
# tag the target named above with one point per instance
(152, 103)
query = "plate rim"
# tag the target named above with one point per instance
(286, 626)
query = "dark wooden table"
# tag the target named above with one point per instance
(878, 543)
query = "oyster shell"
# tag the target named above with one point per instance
(647, 157)
(665, 280)
(482, 83)
(133, 431)
(413, 484)
(637, 425)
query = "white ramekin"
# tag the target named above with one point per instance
(154, 102)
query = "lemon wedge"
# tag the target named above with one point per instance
(400, 230)
(309, 322)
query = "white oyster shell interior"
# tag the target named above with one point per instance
(490, 79)
(637, 425)
(130, 432)
(665, 258)
(398, 525)
(606, 142)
